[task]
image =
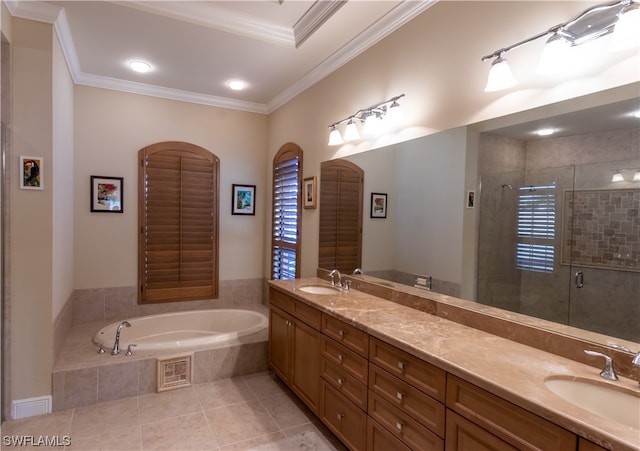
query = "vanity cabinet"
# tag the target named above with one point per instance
(294, 346)
(478, 420)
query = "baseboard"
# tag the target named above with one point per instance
(30, 407)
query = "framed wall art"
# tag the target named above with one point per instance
(378, 205)
(31, 172)
(107, 194)
(309, 188)
(243, 200)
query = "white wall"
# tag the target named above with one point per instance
(110, 128)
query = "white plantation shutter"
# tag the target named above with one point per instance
(287, 189)
(536, 228)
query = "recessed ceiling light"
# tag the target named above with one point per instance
(236, 85)
(139, 66)
(545, 132)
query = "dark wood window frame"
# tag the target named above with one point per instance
(178, 205)
(286, 196)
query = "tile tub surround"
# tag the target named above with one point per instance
(82, 377)
(246, 412)
(508, 369)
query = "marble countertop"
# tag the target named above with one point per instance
(511, 370)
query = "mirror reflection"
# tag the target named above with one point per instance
(550, 233)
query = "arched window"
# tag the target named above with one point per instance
(287, 203)
(178, 186)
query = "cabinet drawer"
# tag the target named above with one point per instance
(343, 418)
(401, 425)
(345, 383)
(279, 299)
(416, 372)
(349, 336)
(379, 439)
(463, 435)
(426, 410)
(513, 424)
(346, 359)
(308, 314)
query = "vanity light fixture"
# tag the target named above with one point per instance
(636, 176)
(141, 67)
(617, 177)
(592, 23)
(374, 118)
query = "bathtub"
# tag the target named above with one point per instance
(182, 329)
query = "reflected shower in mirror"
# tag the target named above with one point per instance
(544, 209)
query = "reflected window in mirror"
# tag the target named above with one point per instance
(340, 241)
(287, 205)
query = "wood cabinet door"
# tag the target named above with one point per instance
(280, 343)
(463, 435)
(305, 373)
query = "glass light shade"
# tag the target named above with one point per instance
(617, 177)
(395, 115)
(626, 33)
(500, 76)
(335, 138)
(372, 124)
(636, 176)
(554, 56)
(351, 132)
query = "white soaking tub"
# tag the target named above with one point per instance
(182, 329)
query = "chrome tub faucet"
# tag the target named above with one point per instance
(116, 345)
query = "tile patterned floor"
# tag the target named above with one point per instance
(253, 412)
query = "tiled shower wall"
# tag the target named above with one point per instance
(119, 303)
(607, 302)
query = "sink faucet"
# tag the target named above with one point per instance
(636, 360)
(333, 282)
(116, 345)
(356, 271)
(608, 372)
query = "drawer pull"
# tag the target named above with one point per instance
(341, 333)
(340, 416)
(399, 426)
(400, 395)
(340, 357)
(401, 365)
(340, 381)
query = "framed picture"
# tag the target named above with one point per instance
(378, 205)
(243, 200)
(471, 199)
(106, 194)
(31, 172)
(310, 192)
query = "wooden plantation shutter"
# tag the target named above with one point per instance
(340, 240)
(178, 219)
(287, 202)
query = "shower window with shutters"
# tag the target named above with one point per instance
(178, 186)
(287, 204)
(536, 228)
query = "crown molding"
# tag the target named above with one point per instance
(38, 11)
(387, 24)
(313, 18)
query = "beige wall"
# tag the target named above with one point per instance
(31, 212)
(110, 128)
(435, 61)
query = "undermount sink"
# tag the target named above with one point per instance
(615, 403)
(319, 289)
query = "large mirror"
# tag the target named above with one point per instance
(497, 215)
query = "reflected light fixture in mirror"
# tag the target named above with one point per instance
(376, 119)
(617, 177)
(622, 18)
(636, 176)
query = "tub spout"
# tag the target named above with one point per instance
(116, 345)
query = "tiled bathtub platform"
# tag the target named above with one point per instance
(82, 377)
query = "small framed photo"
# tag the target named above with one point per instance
(310, 192)
(107, 194)
(471, 199)
(243, 200)
(378, 205)
(31, 172)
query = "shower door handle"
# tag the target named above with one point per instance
(579, 279)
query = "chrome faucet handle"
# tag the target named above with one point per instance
(101, 348)
(129, 352)
(608, 372)
(346, 285)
